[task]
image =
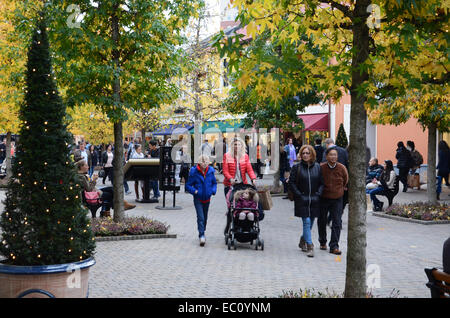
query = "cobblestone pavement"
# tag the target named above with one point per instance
(181, 268)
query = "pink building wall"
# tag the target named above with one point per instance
(389, 135)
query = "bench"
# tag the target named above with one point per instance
(390, 194)
(438, 283)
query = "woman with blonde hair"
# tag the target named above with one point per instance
(236, 165)
(306, 184)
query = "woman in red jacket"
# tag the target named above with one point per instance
(236, 165)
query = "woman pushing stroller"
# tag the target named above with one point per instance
(236, 165)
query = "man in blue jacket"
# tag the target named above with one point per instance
(202, 185)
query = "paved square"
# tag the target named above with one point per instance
(181, 268)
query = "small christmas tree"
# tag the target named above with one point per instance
(341, 139)
(44, 221)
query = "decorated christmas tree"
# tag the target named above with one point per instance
(341, 139)
(44, 221)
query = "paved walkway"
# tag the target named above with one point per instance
(181, 268)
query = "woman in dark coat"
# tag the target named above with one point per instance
(443, 166)
(306, 183)
(403, 164)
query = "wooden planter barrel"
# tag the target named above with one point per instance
(48, 281)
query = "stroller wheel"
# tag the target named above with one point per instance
(229, 245)
(226, 239)
(234, 244)
(261, 242)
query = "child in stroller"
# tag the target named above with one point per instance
(245, 201)
(243, 214)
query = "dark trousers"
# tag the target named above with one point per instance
(334, 207)
(108, 173)
(107, 198)
(258, 168)
(403, 174)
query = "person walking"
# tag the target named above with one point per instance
(107, 158)
(335, 178)
(306, 184)
(138, 154)
(416, 162)
(284, 170)
(154, 153)
(404, 160)
(202, 185)
(291, 153)
(443, 167)
(342, 159)
(236, 165)
(92, 160)
(319, 150)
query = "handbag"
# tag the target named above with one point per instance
(266, 199)
(371, 186)
(101, 173)
(413, 181)
(92, 197)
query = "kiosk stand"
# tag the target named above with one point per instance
(169, 177)
(142, 170)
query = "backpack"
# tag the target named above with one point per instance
(416, 158)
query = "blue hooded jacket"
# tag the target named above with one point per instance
(205, 185)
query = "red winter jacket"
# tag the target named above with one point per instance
(229, 169)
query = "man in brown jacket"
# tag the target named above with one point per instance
(335, 178)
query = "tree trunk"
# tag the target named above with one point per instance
(431, 170)
(144, 146)
(118, 188)
(355, 282)
(119, 213)
(277, 187)
(5, 180)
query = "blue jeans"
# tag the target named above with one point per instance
(307, 226)
(125, 185)
(155, 187)
(373, 194)
(438, 184)
(202, 216)
(91, 171)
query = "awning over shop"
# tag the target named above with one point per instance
(222, 126)
(173, 129)
(316, 122)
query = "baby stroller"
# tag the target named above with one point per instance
(243, 231)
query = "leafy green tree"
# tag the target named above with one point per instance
(341, 139)
(44, 221)
(116, 55)
(372, 49)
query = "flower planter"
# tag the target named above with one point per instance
(48, 281)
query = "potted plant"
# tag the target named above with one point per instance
(46, 236)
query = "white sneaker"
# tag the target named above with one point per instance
(202, 241)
